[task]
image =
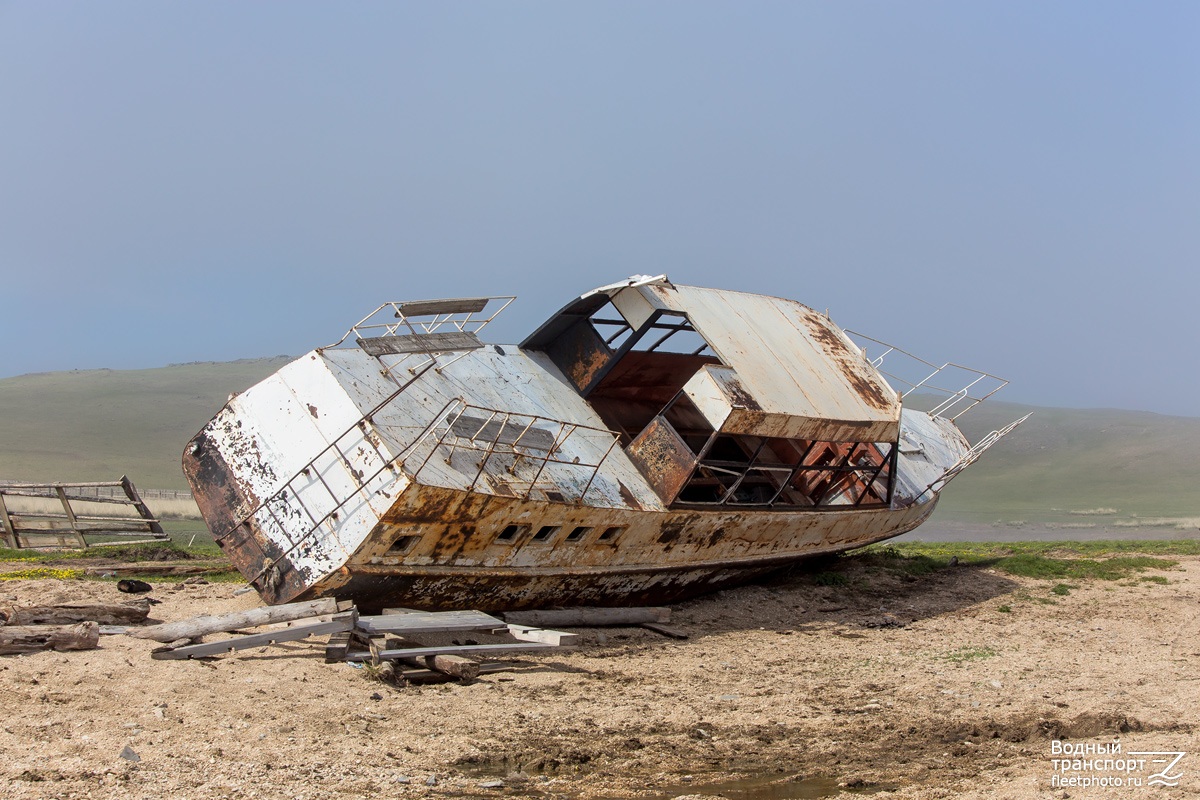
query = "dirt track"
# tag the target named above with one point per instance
(780, 682)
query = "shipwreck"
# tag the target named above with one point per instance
(650, 442)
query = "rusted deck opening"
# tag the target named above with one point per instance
(791, 473)
(640, 386)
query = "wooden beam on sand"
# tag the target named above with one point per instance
(196, 627)
(480, 649)
(430, 622)
(30, 639)
(340, 622)
(64, 613)
(584, 617)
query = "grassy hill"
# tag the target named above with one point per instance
(100, 424)
(1062, 466)
(1074, 464)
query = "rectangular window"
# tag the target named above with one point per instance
(403, 544)
(578, 534)
(544, 533)
(511, 533)
(610, 533)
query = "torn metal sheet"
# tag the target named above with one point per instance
(648, 443)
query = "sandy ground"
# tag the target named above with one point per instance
(787, 689)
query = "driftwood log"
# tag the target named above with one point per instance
(199, 626)
(65, 613)
(455, 666)
(588, 617)
(25, 639)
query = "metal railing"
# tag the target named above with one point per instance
(463, 316)
(452, 427)
(913, 373)
(971, 456)
(529, 442)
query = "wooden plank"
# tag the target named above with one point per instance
(587, 617)
(50, 495)
(364, 655)
(665, 630)
(341, 622)
(30, 639)
(131, 492)
(199, 626)
(10, 535)
(456, 666)
(457, 305)
(430, 622)
(420, 343)
(64, 613)
(337, 647)
(66, 504)
(553, 638)
(5, 485)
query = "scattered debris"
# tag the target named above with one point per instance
(31, 638)
(199, 626)
(128, 754)
(65, 613)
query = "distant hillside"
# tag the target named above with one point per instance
(98, 424)
(1065, 460)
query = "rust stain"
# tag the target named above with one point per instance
(626, 495)
(851, 362)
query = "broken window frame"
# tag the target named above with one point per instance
(863, 477)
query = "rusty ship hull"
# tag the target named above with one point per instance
(649, 443)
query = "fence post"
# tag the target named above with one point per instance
(66, 504)
(9, 534)
(132, 494)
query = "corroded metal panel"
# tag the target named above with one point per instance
(928, 446)
(663, 457)
(581, 354)
(791, 360)
(636, 307)
(658, 556)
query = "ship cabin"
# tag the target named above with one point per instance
(723, 398)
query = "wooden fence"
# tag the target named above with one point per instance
(27, 521)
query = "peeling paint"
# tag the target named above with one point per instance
(490, 482)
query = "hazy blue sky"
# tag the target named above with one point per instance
(1015, 186)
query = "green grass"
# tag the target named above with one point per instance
(165, 551)
(831, 579)
(1102, 560)
(101, 424)
(964, 654)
